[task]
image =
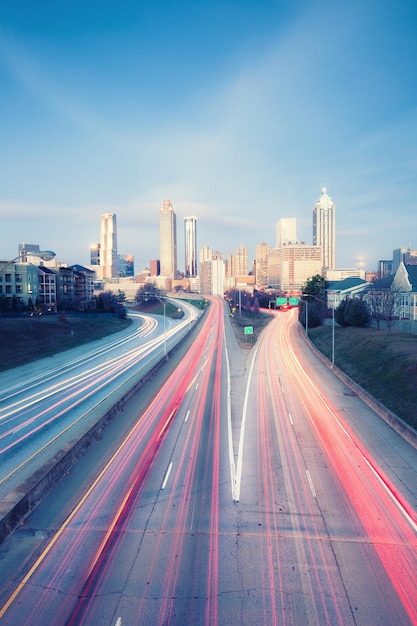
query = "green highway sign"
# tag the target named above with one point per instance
(281, 301)
(293, 301)
(248, 330)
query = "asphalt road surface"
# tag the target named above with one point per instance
(45, 406)
(251, 487)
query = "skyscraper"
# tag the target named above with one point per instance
(286, 231)
(324, 230)
(108, 246)
(190, 237)
(206, 253)
(240, 261)
(262, 256)
(95, 254)
(168, 240)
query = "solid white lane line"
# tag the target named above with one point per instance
(167, 476)
(236, 494)
(229, 424)
(310, 482)
(392, 496)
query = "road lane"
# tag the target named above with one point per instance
(164, 536)
(311, 437)
(91, 533)
(279, 520)
(40, 414)
(174, 539)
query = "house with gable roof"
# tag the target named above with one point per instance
(338, 290)
(405, 284)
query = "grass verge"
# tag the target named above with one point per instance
(29, 339)
(383, 363)
(256, 322)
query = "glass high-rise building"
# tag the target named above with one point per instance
(286, 231)
(168, 240)
(95, 254)
(324, 230)
(262, 257)
(108, 246)
(190, 238)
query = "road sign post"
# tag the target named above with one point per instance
(248, 330)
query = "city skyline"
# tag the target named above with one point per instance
(240, 126)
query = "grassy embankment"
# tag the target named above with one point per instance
(28, 339)
(383, 364)
(249, 320)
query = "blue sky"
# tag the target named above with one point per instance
(238, 111)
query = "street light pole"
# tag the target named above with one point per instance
(307, 318)
(333, 335)
(45, 255)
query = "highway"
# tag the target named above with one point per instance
(252, 488)
(47, 405)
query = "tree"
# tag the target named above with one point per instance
(356, 313)
(313, 309)
(381, 304)
(352, 312)
(107, 302)
(4, 304)
(147, 292)
(315, 286)
(313, 292)
(339, 313)
(238, 298)
(15, 305)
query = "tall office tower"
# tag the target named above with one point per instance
(108, 246)
(190, 234)
(206, 253)
(400, 255)
(384, 268)
(286, 231)
(168, 240)
(298, 262)
(154, 267)
(229, 265)
(262, 274)
(212, 276)
(240, 265)
(126, 265)
(324, 230)
(95, 254)
(274, 267)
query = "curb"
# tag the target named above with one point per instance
(23, 500)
